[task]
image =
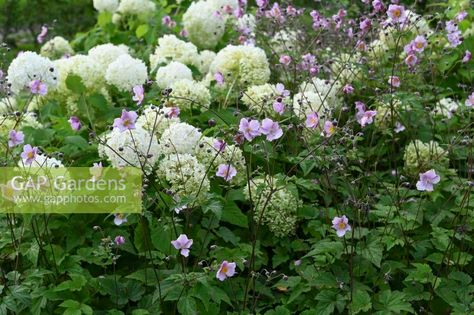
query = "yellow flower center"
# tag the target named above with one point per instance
(224, 269)
(342, 225)
(397, 13)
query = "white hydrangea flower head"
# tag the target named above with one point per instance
(420, 157)
(247, 22)
(126, 72)
(319, 96)
(207, 154)
(179, 138)
(56, 47)
(135, 147)
(106, 5)
(185, 175)
(417, 24)
(279, 212)
(284, 41)
(8, 105)
(245, 65)
(170, 48)
(29, 66)
(260, 98)
(187, 94)
(383, 119)
(81, 65)
(204, 60)
(140, 9)
(155, 119)
(106, 54)
(346, 68)
(167, 75)
(446, 107)
(224, 6)
(205, 28)
(42, 161)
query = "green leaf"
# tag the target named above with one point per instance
(76, 283)
(280, 310)
(389, 302)
(187, 305)
(372, 251)
(360, 302)
(142, 30)
(104, 18)
(214, 206)
(74, 83)
(233, 215)
(422, 274)
(328, 300)
(77, 141)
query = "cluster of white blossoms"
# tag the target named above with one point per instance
(346, 68)
(446, 107)
(179, 138)
(10, 122)
(42, 161)
(106, 5)
(29, 66)
(82, 66)
(383, 119)
(204, 27)
(187, 94)
(170, 48)
(126, 72)
(284, 41)
(274, 205)
(242, 65)
(185, 175)
(260, 98)
(156, 120)
(139, 9)
(204, 60)
(8, 105)
(318, 96)
(56, 48)
(105, 54)
(175, 71)
(420, 156)
(135, 147)
(212, 156)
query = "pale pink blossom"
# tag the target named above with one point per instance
(15, 138)
(138, 94)
(396, 13)
(285, 60)
(75, 123)
(271, 129)
(312, 120)
(470, 100)
(126, 121)
(29, 154)
(183, 244)
(226, 270)
(394, 81)
(427, 180)
(467, 56)
(226, 171)
(249, 128)
(38, 87)
(341, 225)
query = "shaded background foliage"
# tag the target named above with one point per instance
(21, 20)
